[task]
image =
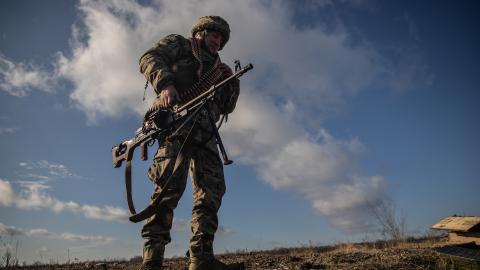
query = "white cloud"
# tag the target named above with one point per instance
(44, 233)
(89, 238)
(18, 79)
(300, 65)
(8, 195)
(105, 73)
(104, 213)
(45, 170)
(324, 169)
(9, 230)
(32, 196)
(40, 233)
(7, 130)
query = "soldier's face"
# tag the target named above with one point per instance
(213, 41)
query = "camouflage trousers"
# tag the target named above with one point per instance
(206, 171)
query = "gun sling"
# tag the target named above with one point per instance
(151, 208)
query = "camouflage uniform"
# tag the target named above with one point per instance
(172, 62)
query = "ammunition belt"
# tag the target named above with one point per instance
(206, 81)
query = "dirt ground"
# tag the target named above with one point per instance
(414, 254)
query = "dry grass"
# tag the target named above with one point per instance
(409, 254)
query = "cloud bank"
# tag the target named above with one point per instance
(301, 75)
(45, 170)
(32, 196)
(44, 233)
(18, 79)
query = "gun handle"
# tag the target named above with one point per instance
(121, 152)
(117, 157)
(144, 151)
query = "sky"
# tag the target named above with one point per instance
(350, 104)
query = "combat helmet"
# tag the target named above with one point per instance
(215, 23)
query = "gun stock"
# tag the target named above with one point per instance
(121, 152)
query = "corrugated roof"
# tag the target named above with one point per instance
(459, 224)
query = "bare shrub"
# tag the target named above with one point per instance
(8, 258)
(392, 227)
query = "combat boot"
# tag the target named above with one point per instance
(153, 255)
(213, 264)
(152, 265)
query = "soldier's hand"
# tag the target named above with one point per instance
(169, 96)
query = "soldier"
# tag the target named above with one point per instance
(173, 65)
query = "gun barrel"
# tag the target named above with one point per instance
(247, 67)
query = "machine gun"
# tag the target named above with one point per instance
(161, 123)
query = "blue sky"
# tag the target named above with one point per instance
(349, 103)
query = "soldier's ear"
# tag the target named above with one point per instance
(200, 34)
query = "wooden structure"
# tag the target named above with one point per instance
(464, 239)
(461, 229)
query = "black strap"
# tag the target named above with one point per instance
(128, 186)
(154, 204)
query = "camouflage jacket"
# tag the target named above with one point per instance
(172, 62)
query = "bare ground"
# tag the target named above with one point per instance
(414, 254)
